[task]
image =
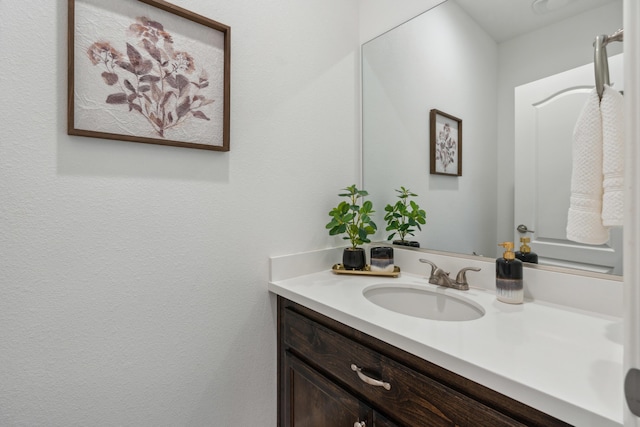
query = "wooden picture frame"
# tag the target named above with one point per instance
(148, 71)
(446, 144)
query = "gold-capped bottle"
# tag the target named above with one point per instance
(525, 254)
(509, 285)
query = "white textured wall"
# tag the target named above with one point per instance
(133, 277)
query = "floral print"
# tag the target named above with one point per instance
(446, 147)
(151, 77)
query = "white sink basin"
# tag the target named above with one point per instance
(416, 301)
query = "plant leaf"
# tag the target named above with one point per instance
(166, 98)
(332, 223)
(157, 120)
(117, 98)
(156, 92)
(184, 107)
(200, 115)
(129, 86)
(171, 81)
(152, 49)
(126, 66)
(144, 68)
(182, 82)
(149, 78)
(110, 78)
(134, 56)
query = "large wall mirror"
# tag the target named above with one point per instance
(494, 65)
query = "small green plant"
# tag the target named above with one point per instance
(405, 216)
(351, 218)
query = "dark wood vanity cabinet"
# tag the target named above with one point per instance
(331, 375)
(315, 401)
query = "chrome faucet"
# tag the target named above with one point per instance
(441, 278)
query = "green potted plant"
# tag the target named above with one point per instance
(404, 217)
(354, 220)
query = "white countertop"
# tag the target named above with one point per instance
(562, 361)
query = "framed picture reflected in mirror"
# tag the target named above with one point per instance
(446, 144)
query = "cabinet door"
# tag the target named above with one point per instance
(311, 400)
(380, 421)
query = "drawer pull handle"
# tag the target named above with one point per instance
(360, 424)
(369, 380)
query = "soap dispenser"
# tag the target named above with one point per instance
(509, 286)
(525, 254)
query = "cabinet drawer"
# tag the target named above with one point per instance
(412, 398)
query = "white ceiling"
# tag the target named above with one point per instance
(506, 19)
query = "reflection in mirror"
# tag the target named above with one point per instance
(454, 60)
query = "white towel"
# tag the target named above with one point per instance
(612, 110)
(584, 222)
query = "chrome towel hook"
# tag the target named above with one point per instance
(600, 59)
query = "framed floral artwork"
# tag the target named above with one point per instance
(148, 71)
(446, 144)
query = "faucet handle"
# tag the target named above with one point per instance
(437, 274)
(461, 278)
(433, 266)
(426, 261)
